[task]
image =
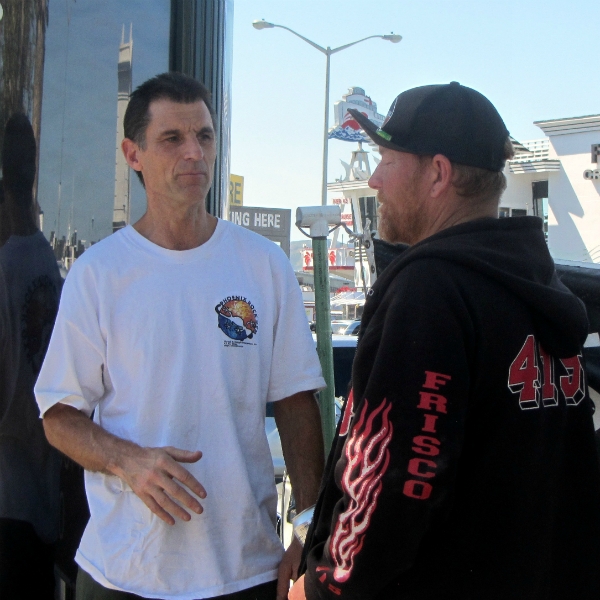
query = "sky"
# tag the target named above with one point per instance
(534, 60)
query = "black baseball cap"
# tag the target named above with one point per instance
(448, 119)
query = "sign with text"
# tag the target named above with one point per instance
(272, 223)
(236, 190)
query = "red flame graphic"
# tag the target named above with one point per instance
(368, 459)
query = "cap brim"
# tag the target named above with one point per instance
(371, 130)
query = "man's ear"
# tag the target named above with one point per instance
(442, 181)
(131, 152)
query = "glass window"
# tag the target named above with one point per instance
(95, 54)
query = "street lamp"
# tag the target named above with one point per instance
(262, 24)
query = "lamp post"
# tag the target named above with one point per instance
(262, 24)
(318, 219)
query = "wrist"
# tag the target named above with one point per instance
(122, 453)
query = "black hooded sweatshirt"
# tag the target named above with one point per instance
(464, 465)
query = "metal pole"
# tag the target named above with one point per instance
(326, 131)
(324, 345)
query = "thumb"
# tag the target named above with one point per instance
(185, 456)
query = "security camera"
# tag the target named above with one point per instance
(318, 218)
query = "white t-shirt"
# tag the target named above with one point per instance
(184, 349)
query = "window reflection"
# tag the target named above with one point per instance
(95, 53)
(22, 35)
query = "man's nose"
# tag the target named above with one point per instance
(193, 149)
(375, 180)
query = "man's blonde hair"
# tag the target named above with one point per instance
(481, 185)
(475, 184)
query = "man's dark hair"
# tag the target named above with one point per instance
(18, 159)
(168, 86)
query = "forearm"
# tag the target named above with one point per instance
(154, 474)
(78, 437)
(299, 423)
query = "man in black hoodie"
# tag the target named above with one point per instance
(464, 464)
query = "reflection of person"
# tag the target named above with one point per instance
(29, 467)
(176, 332)
(464, 466)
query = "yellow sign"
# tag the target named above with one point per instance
(236, 190)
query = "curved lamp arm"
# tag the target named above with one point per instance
(319, 48)
(262, 24)
(392, 38)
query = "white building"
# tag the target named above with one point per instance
(562, 173)
(121, 209)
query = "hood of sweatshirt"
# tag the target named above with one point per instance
(513, 252)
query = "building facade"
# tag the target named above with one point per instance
(560, 178)
(121, 209)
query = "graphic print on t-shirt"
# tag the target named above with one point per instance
(237, 318)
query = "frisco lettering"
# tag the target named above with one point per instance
(426, 445)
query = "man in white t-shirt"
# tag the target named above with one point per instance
(174, 333)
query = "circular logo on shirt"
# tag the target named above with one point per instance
(237, 318)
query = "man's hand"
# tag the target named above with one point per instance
(297, 591)
(288, 569)
(155, 475)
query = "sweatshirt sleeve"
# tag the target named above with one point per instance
(400, 442)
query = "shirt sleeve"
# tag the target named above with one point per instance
(295, 366)
(400, 441)
(73, 370)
